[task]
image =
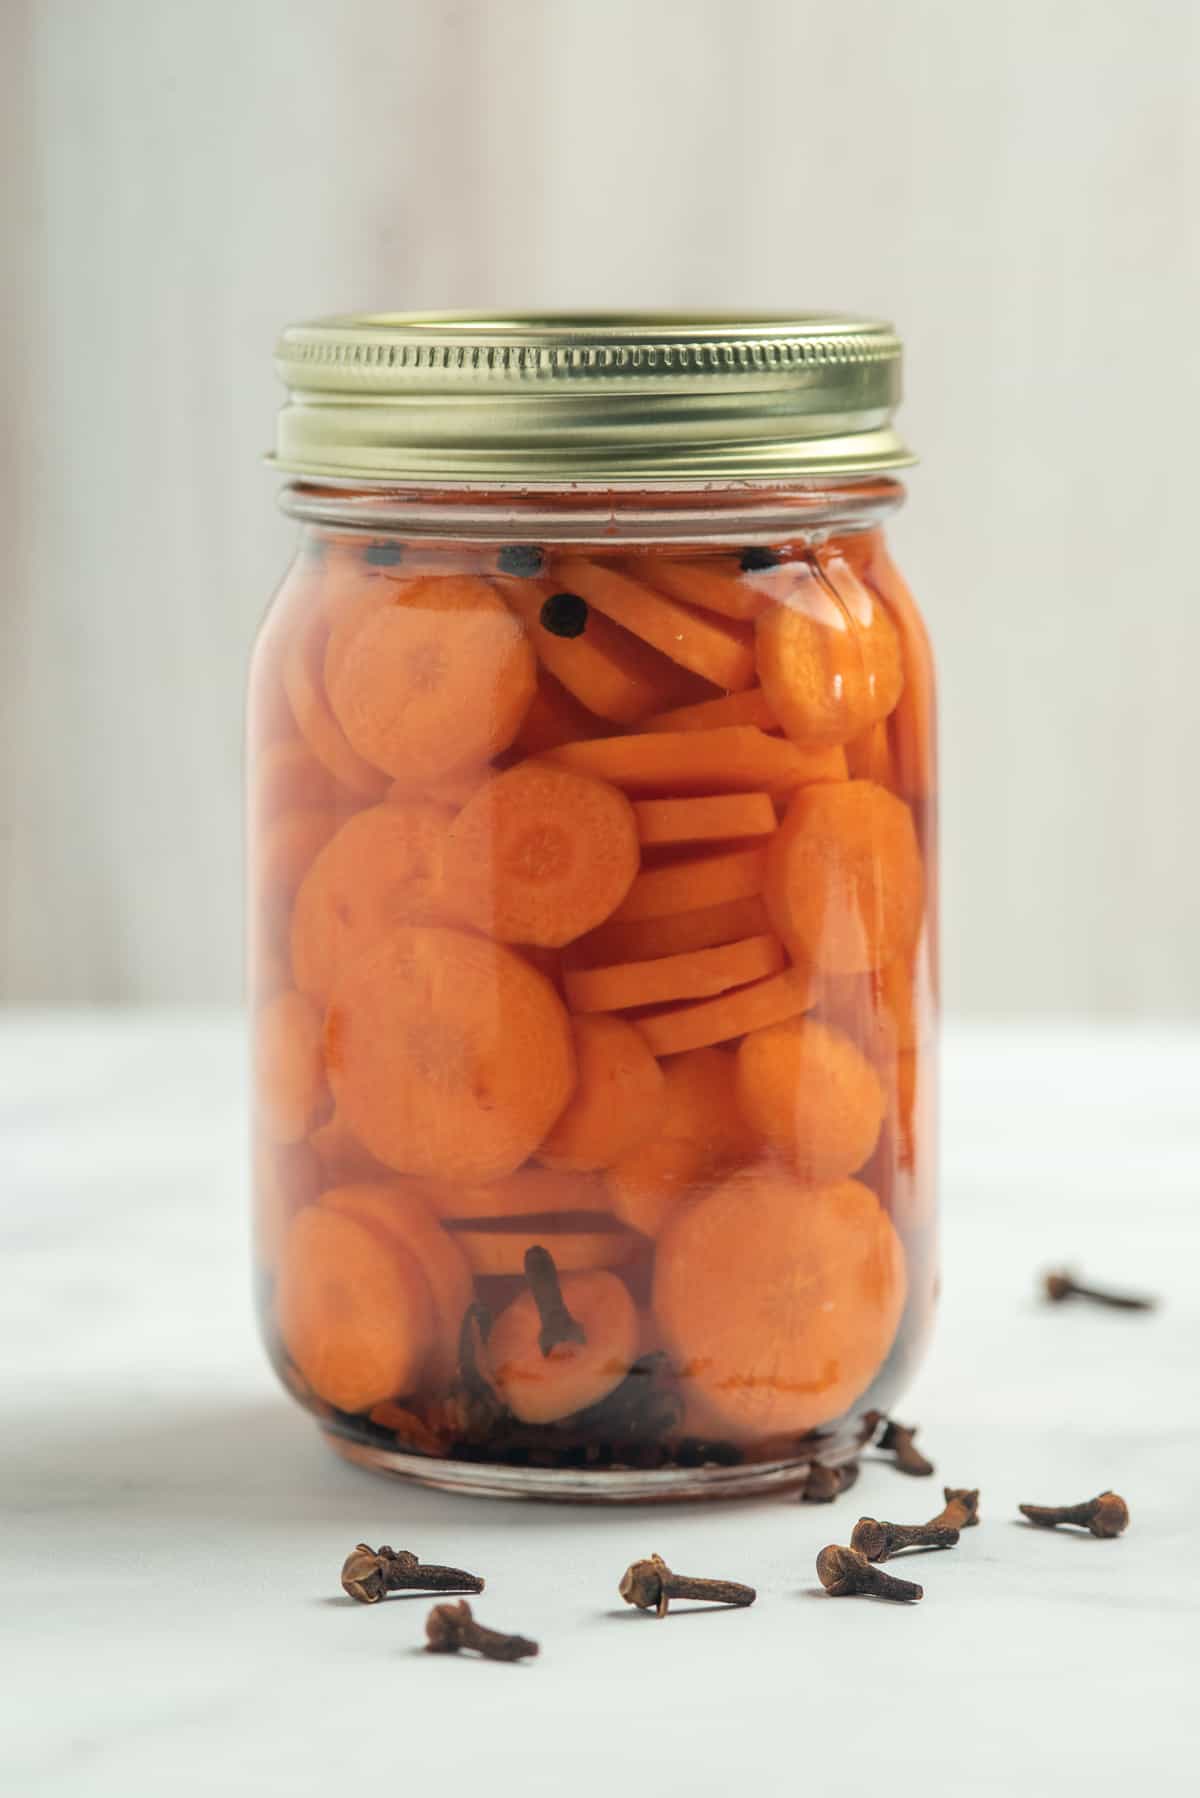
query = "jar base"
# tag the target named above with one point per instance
(578, 1485)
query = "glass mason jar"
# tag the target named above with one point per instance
(592, 903)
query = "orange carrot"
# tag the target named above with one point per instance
(448, 1055)
(914, 722)
(539, 1387)
(697, 975)
(703, 927)
(287, 776)
(717, 820)
(825, 1267)
(695, 1026)
(540, 855)
(555, 716)
(715, 583)
(868, 757)
(617, 1099)
(716, 649)
(812, 1095)
(401, 1215)
(844, 884)
(829, 658)
(699, 880)
(286, 1178)
(317, 724)
(612, 673)
(530, 1192)
(701, 1133)
(876, 1009)
(737, 758)
(748, 707)
(383, 868)
(284, 853)
(354, 1310)
(495, 1252)
(436, 680)
(340, 1156)
(289, 1079)
(452, 790)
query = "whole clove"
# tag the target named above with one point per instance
(451, 1627)
(558, 1326)
(1061, 1285)
(1105, 1516)
(897, 1439)
(755, 558)
(651, 1585)
(824, 1484)
(960, 1511)
(367, 1573)
(880, 1541)
(845, 1573)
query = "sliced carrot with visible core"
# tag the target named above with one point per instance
(844, 882)
(555, 716)
(354, 1310)
(719, 1020)
(448, 1054)
(340, 1155)
(540, 1384)
(717, 820)
(749, 707)
(737, 758)
(494, 1252)
(812, 1095)
(403, 1217)
(697, 881)
(697, 975)
(613, 674)
(540, 855)
(617, 1099)
(779, 1306)
(829, 657)
(530, 1192)
(317, 724)
(383, 868)
(434, 681)
(869, 757)
(289, 1077)
(716, 585)
(702, 1133)
(717, 650)
(701, 927)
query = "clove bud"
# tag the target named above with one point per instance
(650, 1585)
(845, 1573)
(1062, 1285)
(367, 1573)
(880, 1541)
(1107, 1515)
(897, 1439)
(451, 1627)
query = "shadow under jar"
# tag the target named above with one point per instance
(592, 894)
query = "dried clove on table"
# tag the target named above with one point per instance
(451, 1627)
(897, 1439)
(1105, 1516)
(368, 1573)
(845, 1573)
(650, 1585)
(1061, 1285)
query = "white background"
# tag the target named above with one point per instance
(1015, 185)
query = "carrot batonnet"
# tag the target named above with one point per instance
(540, 855)
(495, 1253)
(844, 883)
(779, 1307)
(541, 1388)
(448, 1054)
(698, 975)
(289, 1076)
(435, 680)
(813, 1096)
(701, 927)
(354, 1310)
(384, 867)
(723, 818)
(748, 707)
(617, 1099)
(716, 649)
(707, 1021)
(715, 583)
(829, 659)
(697, 880)
(736, 758)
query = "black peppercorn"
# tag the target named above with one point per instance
(564, 615)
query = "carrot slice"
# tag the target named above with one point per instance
(541, 855)
(717, 649)
(716, 585)
(448, 1055)
(914, 721)
(317, 724)
(285, 852)
(703, 927)
(812, 1095)
(699, 880)
(497, 1252)
(844, 884)
(719, 1020)
(404, 1219)
(829, 657)
(539, 1387)
(617, 1099)
(737, 758)
(717, 820)
(877, 1010)
(289, 1078)
(383, 868)
(869, 757)
(530, 1192)
(435, 680)
(555, 716)
(697, 975)
(340, 1156)
(824, 1267)
(749, 707)
(613, 674)
(354, 1310)
(702, 1133)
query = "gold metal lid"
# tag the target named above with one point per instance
(592, 398)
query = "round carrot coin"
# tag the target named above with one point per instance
(844, 883)
(540, 855)
(539, 1388)
(448, 1054)
(617, 1099)
(434, 679)
(701, 1133)
(289, 1076)
(828, 657)
(779, 1306)
(813, 1095)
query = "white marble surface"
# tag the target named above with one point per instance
(173, 1528)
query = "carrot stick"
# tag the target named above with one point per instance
(768, 1001)
(715, 583)
(699, 880)
(716, 649)
(717, 820)
(617, 1098)
(703, 927)
(695, 976)
(734, 759)
(749, 707)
